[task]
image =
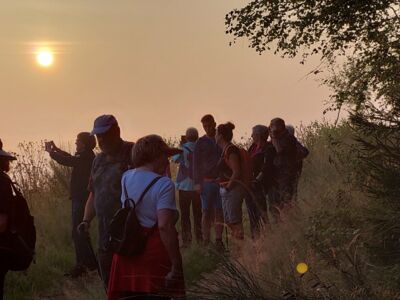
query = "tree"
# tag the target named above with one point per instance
(366, 80)
(365, 32)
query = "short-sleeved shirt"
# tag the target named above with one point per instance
(160, 196)
(105, 179)
(6, 194)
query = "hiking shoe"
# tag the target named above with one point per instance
(91, 267)
(76, 272)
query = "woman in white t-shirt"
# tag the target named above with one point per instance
(157, 273)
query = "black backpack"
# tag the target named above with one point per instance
(126, 235)
(18, 242)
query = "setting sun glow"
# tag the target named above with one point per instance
(44, 58)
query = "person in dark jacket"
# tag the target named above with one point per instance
(6, 197)
(262, 154)
(301, 153)
(285, 164)
(81, 164)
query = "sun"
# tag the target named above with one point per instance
(45, 58)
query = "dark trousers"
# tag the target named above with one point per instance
(187, 198)
(261, 198)
(104, 256)
(261, 202)
(3, 273)
(83, 253)
(280, 196)
(254, 214)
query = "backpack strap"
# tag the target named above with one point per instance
(126, 195)
(130, 200)
(224, 151)
(187, 148)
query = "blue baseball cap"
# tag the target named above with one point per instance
(103, 123)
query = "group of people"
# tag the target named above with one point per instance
(214, 178)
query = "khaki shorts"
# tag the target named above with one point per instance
(232, 204)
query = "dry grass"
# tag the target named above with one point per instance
(327, 231)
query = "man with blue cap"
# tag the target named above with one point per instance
(105, 184)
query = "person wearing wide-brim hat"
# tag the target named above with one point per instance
(6, 194)
(5, 156)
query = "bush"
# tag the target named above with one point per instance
(329, 230)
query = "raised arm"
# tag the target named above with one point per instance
(64, 158)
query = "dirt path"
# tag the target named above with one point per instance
(85, 288)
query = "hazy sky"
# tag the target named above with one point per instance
(157, 65)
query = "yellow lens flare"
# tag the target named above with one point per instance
(302, 268)
(44, 57)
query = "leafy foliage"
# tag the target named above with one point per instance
(323, 26)
(365, 32)
(365, 80)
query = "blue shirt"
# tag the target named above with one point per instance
(160, 196)
(206, 157)
(187, 183)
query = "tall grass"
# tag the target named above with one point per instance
(328, 230)
(45, 185)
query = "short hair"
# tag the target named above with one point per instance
(147, 149)
(278, 121)
(87, 139)
(192, 134)
(261, 130)
(207, 118)
(226, 130)
(290, 129)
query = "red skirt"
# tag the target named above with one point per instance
(143, 273)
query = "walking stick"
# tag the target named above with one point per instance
(86, 236)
